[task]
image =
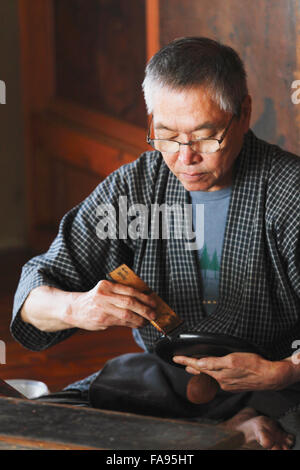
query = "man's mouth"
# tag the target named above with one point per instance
(192, 176)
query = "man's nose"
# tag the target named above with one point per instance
(187, 155)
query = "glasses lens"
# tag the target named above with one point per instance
(206, 146)
(166, 146)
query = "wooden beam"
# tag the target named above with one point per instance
(152, 26)
(37, 52)
(81, 148)
(37, 78)
(114, 128)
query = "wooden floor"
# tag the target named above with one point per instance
(82, 354)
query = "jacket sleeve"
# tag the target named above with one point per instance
(287, 217)
(76, 260)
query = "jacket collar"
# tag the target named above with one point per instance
(184, 264)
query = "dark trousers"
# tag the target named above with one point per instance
(144, 384)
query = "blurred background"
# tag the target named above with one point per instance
(74, 112)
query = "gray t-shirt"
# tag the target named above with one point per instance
(209, 225)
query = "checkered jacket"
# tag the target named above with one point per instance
(259, 291)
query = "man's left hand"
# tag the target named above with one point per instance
(240, 372)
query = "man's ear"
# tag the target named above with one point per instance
(246, 109)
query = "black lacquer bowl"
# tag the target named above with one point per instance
(194, 344)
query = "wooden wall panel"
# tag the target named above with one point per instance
(264, 32)
(101, 55)
(82, 67)
(81, 147)
(59, 186)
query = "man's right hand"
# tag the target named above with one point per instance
(109, 304)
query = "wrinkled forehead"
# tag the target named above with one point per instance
(186, 109)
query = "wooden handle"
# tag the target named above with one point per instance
(166, 319)
(201, 388)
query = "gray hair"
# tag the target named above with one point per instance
(191, 61)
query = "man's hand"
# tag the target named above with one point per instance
(240, 372)
(109, 304)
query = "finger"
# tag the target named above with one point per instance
(207, 364)
(186, 361)
(132, 292)
(290, 440)
(223, 363)
(277, 447)
(116, 316)
(190, 370)
(132, 304)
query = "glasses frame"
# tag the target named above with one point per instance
(191, 142)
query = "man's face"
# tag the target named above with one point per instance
(191, 114)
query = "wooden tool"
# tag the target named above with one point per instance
(202, 388)
(166, 320)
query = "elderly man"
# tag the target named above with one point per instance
(204, 154)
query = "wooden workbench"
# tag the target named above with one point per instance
(26, 424)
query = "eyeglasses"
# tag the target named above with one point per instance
(198, 145)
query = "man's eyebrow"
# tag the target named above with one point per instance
(205, 125)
